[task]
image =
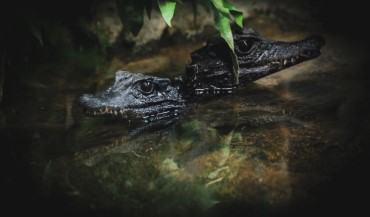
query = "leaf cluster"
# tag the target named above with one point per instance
(131, 15)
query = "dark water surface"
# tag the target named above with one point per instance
(293, 143)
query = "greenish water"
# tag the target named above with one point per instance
(295, 140)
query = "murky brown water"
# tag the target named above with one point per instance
(283, 143)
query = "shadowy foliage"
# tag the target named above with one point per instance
(33, 31)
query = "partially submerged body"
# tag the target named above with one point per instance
(155, 101)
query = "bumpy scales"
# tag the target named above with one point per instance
(156, 100)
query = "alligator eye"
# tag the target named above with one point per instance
(146, 87)
(246, 45)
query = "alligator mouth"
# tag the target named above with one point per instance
(301, 51)
(294, 59)
(292, 53)
(92, 106)
(250, 74)
(103, 111)
(131, 113)
(275, 65)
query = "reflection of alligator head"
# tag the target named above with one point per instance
(149, 98)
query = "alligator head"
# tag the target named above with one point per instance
(210, 72)
(136, 96)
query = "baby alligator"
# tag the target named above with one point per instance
(158, 101)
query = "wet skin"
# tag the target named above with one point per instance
(158, 101)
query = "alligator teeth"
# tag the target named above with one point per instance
(115, 112)
(285, 62)
(94, 112)
(292, 60)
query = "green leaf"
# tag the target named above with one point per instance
(229, 11)
(219, 5)
(167, 8)
(238, 15)
(236, 68)
(131, 14)
(223, 26)
(228, 5)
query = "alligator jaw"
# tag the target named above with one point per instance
(274, 56)
(107, 111)
(293, 60)
(279, 64)
(130, 112)
(310, 48)
(94, 106)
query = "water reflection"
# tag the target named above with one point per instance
(227, 149)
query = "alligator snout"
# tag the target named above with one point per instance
(96, 106)
(89, 101)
